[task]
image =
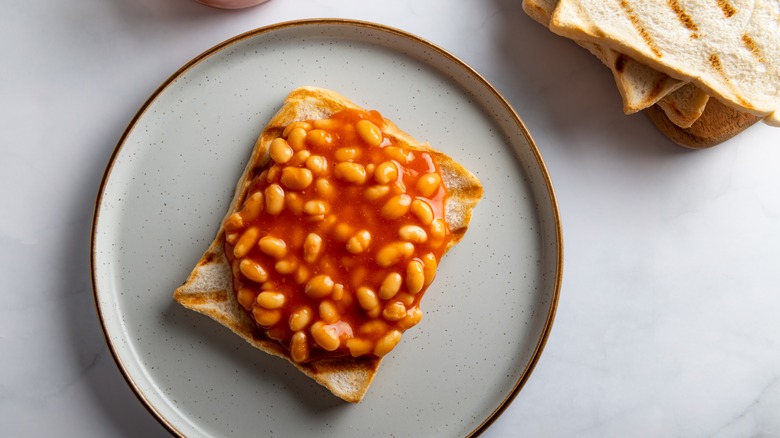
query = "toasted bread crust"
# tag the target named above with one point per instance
(208, 289)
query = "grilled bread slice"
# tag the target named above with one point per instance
(640, 86)
(727, 49)
(209, 287)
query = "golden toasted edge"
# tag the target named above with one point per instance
(716, 124)
(209, 291)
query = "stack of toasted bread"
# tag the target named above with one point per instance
(702, 71)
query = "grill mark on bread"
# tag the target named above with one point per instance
(620, 62)
(715, 63)
(640, 28)
(684, 18)
(728, 9)
(673, 106)
(207, 258)
(753, 48)
(658, 87)
(201, 298)
(718, 67)
(256, 170)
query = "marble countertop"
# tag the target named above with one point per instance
(667, 323)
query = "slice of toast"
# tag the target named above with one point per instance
(209, 287)
(728, 50)
(639, 86)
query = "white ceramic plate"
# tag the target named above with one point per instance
(171, 178)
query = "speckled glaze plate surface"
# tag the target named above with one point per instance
(171, 178)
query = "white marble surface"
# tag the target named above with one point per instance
(667, 323)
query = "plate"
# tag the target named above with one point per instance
(171, 178)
